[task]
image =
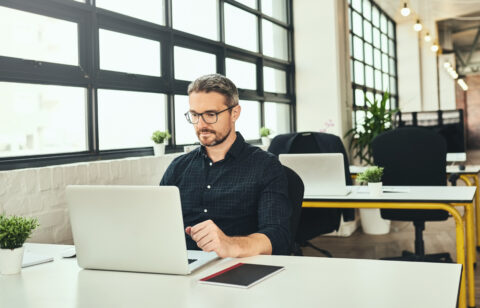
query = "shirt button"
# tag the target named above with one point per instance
(205, 210)
(210, 164)
(208, 186)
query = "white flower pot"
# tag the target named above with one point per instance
(375, 189)
(11, 261)
(158, 149)
(373, 223)
(266, 141)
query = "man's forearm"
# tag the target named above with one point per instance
(251, 245)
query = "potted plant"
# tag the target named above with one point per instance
(371, 219)
(264, 133)
(372, 176)
(14, 230)
(378, 119)
(160, 138)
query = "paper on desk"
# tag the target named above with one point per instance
(31, 258)
(364, 189)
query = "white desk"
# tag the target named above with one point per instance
(421, 197)
(305, 282)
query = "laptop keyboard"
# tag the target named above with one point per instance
(191, 260)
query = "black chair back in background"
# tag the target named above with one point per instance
(314, 222)
(413, 156)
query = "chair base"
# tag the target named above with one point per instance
(410, 256)
(308, 244)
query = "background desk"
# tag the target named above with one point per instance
(305, 282)
(420, 197)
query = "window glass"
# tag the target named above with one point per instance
(367, 30)
(360, 119)
(240, 28)
(383, 23)
(248, 124)
(277, 118)
(137, 55)
(386, 81)
(357, 48)
(357, 23)
(274, 40)
(127, 119)
(197, 17)
(184, 131)
(274, 80)
(384, 43)
(41, 119)
(152, 11)
(377, 58)
(367, 9)
(378, 80)
(250, 3)
(243, 74)
(275, 8)
(35, 37)
(357, 5)
(391, 48)
(359, 98)
(385, 63)
(359, 73)
(391, 29)
(375, 16)
(368, 54)
(369, 76)
(190, 64)
(376, 38)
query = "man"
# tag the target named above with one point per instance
(234, 195)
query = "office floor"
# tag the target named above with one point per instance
(438, 236)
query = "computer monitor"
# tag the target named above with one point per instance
(448, 123)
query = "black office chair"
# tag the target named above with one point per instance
(314, 222)
(295, 195)
(413, 156)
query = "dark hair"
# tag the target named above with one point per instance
(216, 83)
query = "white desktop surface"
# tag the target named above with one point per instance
(305, 282)
(450, 169)
(444, 194)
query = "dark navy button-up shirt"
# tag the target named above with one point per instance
(244, 193)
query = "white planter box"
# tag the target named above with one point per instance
(11, 261)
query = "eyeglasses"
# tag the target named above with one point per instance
(209, 117)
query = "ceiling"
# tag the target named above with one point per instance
(454, 23)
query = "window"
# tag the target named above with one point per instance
(373, 56)
(189, 64)
(41, 119)
(87, 80)
(127, 119)
(30, 36)
(137, 55)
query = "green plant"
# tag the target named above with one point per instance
(371, 175)
(265, 132)
(160, 137)
(378, 119)
(14, 230)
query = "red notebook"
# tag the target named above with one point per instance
(242, 275)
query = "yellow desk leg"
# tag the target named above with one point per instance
(459, 227)
(470, 226)
(477, 208)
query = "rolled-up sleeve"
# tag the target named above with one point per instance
(274, 207)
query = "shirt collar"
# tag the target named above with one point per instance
(235, 150)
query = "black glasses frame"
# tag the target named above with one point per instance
(187, 115)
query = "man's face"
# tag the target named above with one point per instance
(212, 134)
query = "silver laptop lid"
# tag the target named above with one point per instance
(321, 173)
(128, 228)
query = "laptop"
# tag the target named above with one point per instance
(131, 228)
(322, 174)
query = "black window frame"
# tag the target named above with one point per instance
(89, 76)
(393, 101)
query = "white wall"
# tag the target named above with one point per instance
(40, 192)
(321, 65)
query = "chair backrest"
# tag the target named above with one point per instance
(412, 156)
(314, 222)
(295, 195)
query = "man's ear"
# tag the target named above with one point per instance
(236, 112)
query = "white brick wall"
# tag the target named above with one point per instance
(40, 192)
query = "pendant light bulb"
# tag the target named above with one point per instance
(417, 26)
(428, 38)
(434, 48)
(405, 11)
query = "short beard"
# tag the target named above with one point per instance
(216, 141)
